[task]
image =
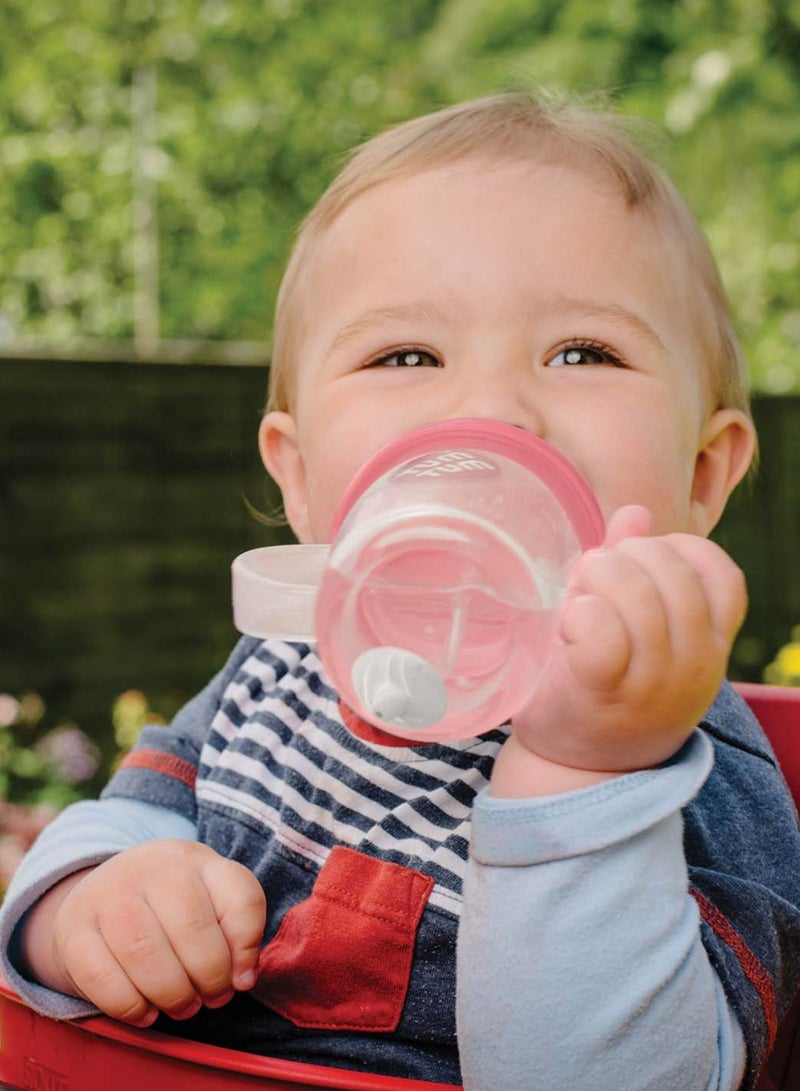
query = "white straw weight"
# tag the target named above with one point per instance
(400, 688)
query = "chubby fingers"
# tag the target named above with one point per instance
(119, 957)
(86, 960)
(204, 932)
(240, 909)
(593, 619)
(647, 606)
(722, 580)
(160, 944)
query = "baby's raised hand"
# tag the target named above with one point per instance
(644, 639)
(166, 926)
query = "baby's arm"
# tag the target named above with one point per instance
(580, 962)
(83, 836)
(83, 843)
(580, 957)
(645, 636)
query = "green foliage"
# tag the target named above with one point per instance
(257, 103)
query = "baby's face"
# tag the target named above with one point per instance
(523, 293)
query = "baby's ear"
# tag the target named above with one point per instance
(726, 449)
(277, 442)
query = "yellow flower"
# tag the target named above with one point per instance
(784, 670)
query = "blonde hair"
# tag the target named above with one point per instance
(514, 126)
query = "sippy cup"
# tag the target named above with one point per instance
(434, 607)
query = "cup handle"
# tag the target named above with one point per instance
(275, 591)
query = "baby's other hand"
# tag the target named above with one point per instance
(167, 926)
(644, 639)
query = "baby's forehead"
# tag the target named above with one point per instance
(482, 184)
(487, 188)
(487, 168)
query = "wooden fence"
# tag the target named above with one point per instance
(122, 505)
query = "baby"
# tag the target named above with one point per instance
(273, 874)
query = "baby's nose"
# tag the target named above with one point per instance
(500, 400)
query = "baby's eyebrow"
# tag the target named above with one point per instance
(566, 307)
(423, 310)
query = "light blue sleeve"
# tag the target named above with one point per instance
(83, 835)
(580, 963)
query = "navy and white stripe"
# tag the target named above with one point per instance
(279, 755)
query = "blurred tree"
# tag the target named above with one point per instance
(257, 102)
(722, 77)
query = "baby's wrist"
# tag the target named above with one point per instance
(520, 773)
(38, 948)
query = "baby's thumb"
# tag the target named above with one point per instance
(631, 521)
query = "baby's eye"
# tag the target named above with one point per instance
(407, 358)
(582, 355)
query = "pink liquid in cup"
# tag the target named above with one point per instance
(452, 551)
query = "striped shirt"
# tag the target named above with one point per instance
(279, 756)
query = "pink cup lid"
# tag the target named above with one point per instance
(551, 467)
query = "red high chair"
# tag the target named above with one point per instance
(39, 1054)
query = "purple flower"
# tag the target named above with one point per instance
(72, 752)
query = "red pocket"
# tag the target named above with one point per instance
(341, 959)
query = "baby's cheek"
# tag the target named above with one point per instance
(323, 505)
(329, 476)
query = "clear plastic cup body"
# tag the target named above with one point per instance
(437, 607)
